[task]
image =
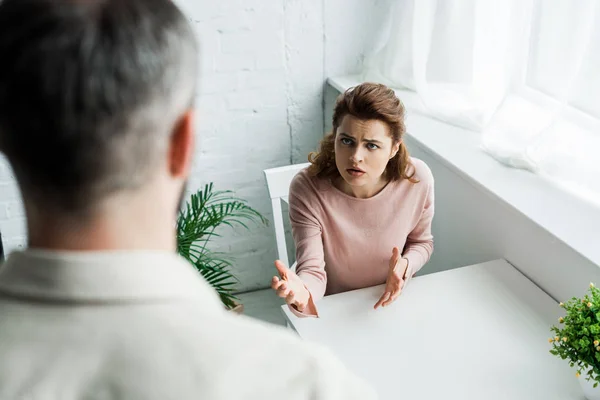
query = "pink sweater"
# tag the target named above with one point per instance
(345, 243)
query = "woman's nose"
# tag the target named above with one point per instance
(356, 156)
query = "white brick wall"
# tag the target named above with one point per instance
(264, 64)
(12, 216)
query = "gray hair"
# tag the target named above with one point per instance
(90, 92)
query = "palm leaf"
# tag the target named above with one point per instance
(204, 213)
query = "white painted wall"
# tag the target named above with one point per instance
(264, 65)
(354, 31)
(472, 226)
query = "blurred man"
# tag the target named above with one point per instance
(96, 120)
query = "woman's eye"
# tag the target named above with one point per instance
(346, 141)
(372, 146)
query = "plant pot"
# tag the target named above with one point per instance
(590, 392)
(238, 309)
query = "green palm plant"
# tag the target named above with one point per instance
(206, 211)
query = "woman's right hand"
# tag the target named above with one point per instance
(290, 287)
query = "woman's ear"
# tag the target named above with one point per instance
(395, 149)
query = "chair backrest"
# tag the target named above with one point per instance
(278, 183)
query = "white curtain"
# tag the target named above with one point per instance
(524, 73)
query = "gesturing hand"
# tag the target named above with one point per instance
(395, 280)
(290, 287)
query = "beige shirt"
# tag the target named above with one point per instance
(145, 325)
(345, 243)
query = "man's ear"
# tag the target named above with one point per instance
(181, 146)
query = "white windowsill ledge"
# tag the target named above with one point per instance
(571, 220)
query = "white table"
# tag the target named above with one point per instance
(477, 332)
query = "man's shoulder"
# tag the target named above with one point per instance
(267, 361)
(178, 348)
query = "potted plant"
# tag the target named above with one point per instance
(197, 225)
(577, 339)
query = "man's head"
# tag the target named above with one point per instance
(95, 98)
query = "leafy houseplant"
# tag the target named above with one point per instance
(206, 211)
(577, 338)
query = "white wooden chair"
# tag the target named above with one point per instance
(278, 183)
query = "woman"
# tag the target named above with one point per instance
(361, 213)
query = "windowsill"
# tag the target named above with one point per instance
(571, 220)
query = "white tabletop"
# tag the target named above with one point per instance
(477, 332)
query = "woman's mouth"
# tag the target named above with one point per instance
(355, 172)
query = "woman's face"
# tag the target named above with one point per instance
(362, 151)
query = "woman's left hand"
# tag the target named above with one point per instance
(395, 280)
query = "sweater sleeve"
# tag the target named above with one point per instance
(307, 230)
(419, 243)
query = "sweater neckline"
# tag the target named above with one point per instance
(377, 195)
